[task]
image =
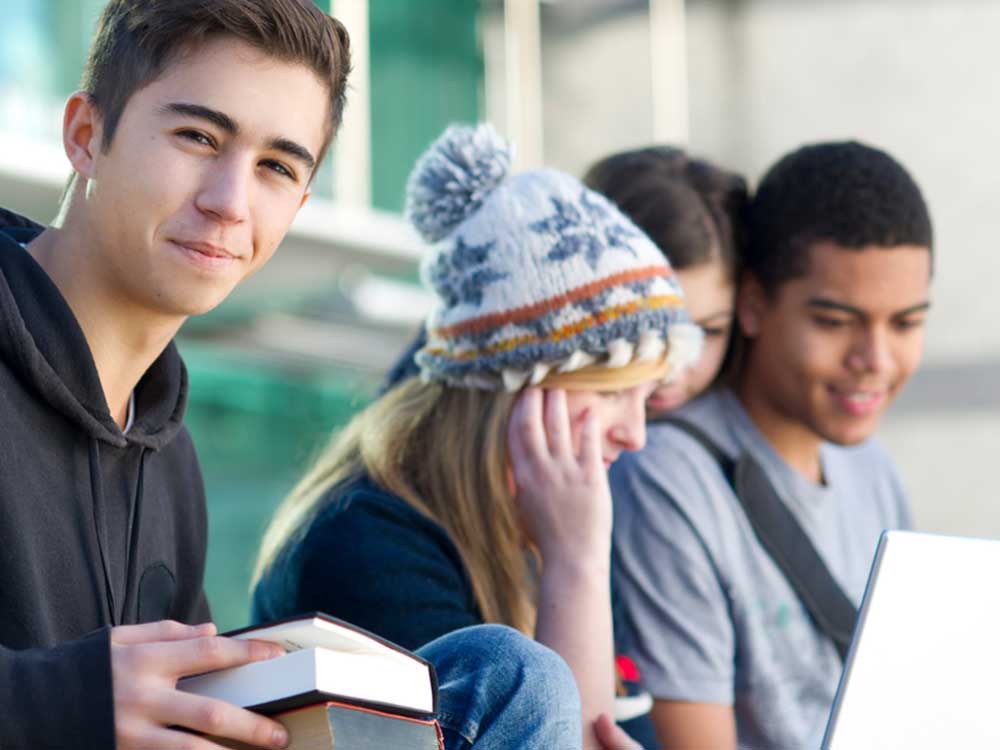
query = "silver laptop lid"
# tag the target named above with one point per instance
(924, 668)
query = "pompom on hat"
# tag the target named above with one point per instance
(535, 275)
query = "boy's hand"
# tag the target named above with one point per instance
(146, 662)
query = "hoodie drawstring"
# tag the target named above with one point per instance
(134, 522)
(116, 616)
(101, 528)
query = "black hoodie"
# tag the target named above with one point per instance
(97, 528)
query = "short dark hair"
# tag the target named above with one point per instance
(690, 208)
(136, 40)
(847, 193)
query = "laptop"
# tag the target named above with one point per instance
(923, 670)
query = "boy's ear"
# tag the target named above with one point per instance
(81, 133)
(305, 196)
(750, 303)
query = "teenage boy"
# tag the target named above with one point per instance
(832, 307)
(193, 145)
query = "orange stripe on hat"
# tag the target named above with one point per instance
(517, 315)
(567, 331)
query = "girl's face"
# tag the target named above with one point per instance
(621, 416)
(708, 295)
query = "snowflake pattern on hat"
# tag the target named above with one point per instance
(587, 228)
(456, 277)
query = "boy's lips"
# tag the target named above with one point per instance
(859, 402)
(205, 248)
(205, 254)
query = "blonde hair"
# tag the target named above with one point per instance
(602, 378)
(443, 450)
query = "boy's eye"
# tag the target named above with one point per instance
(197, 136)
(279, 168)
(908, 324)
(824, 321)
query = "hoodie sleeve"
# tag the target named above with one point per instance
(58, 697)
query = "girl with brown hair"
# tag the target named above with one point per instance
(695, 212)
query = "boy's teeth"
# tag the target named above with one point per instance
(860, 397)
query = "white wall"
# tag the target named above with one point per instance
(916, 77)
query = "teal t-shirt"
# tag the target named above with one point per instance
(706, 614)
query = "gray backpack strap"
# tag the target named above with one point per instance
(784, 539)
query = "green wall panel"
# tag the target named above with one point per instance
(426, 71)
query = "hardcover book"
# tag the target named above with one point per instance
(327, 660)
(338, 726)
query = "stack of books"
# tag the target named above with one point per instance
(338, 687)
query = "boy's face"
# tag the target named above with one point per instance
(208, 166)
(833, 348)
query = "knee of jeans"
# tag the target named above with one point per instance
(533, 667)
(495, 681)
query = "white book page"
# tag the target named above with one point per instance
(367, 677)
(319, 633)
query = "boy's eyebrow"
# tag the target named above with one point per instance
(214, 116)
(226, 123)
(294, 150)
(829, 304)
(922, 307)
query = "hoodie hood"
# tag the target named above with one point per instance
(42, 342)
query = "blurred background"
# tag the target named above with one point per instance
(304, 344)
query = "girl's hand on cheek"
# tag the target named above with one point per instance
(562, 497)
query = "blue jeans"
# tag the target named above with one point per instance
(499, 690)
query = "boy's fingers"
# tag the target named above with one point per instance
(172, 739)
(164, 630)
(215, 652)
(221, 719)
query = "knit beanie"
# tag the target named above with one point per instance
(534, 273)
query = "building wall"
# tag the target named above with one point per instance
(916, 77)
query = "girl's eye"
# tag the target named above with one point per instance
(715, 331)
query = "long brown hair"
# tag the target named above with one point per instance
(695, 211)
(692, 209)
(443, 450)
